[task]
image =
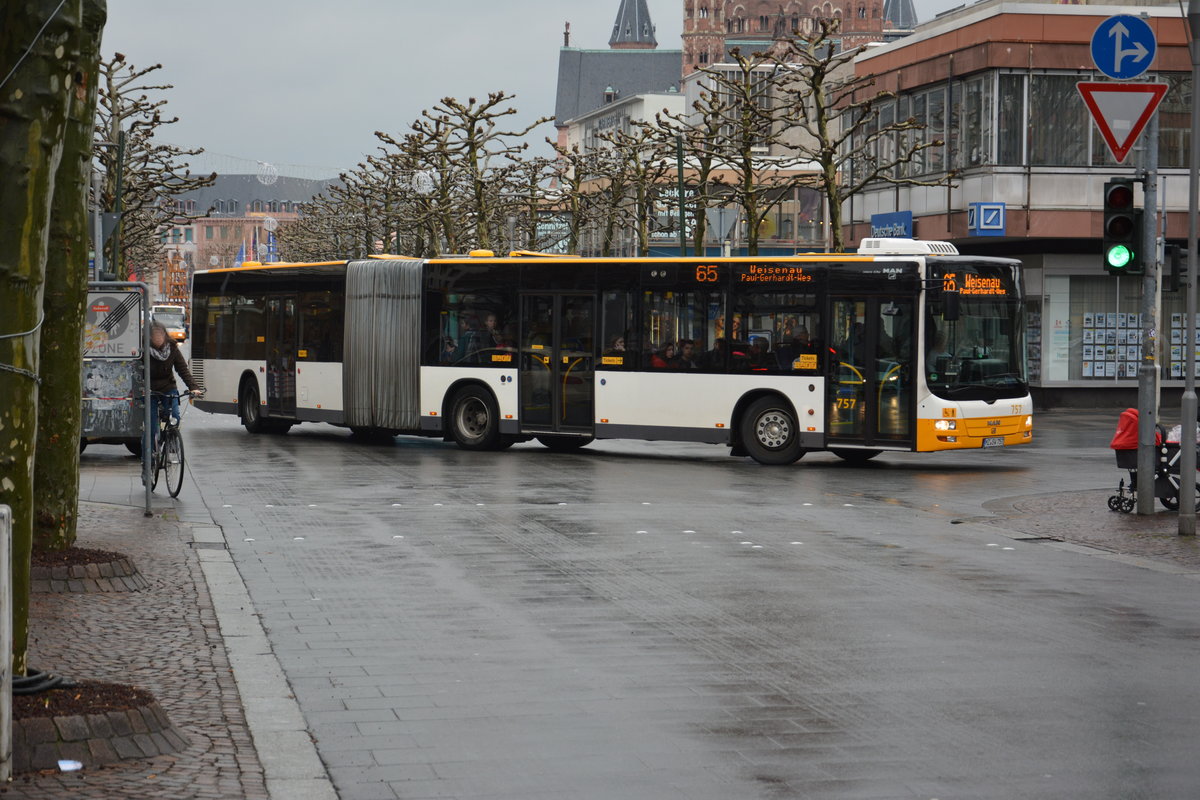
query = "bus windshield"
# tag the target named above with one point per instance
(981, 354)
(170, 317)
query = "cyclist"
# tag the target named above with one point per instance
(165, 361)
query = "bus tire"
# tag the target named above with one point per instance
(855, 457)
(475, 419)
(278, 426)
(134, 446)
(770, 432)
(565, 444)
(249, 409)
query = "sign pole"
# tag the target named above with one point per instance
(1148, 369)
(1187, 409)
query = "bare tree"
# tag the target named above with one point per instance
(701, 130)
(741, 119)
(56, 467)
(467, 148)
(848, 139)
(569, 174)
(152, 173)
(644, 158)
(45, 48)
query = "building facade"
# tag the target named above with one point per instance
(1021, 169)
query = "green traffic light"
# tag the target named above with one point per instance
(1118, 256)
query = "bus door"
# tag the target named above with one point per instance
(557, 371)
(281, 356)
(872, 367)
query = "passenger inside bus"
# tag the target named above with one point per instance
(686, 359)
(661, 358)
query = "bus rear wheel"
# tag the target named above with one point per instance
(565, 444)
(770, 432)
(249, 409)
(475, 420)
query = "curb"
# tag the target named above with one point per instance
(291, 767)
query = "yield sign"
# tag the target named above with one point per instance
(1121, 110)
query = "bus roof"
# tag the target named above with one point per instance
(524, 257)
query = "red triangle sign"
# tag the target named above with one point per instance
(1121, 110)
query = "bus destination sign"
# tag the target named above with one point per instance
(973, 285)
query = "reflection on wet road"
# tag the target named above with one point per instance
(654, 620)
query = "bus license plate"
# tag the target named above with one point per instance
(994, 441)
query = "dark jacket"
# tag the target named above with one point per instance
(162, 373)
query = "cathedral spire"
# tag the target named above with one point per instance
(633, 29)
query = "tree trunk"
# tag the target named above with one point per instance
(33, 115)
(56, 466)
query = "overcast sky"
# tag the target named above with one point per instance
(302, 83)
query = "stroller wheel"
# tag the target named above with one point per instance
(1170, 503)
(1114, 503)
(1127, 504)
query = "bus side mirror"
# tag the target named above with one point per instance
(950, 305)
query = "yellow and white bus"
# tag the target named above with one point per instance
(904, 346)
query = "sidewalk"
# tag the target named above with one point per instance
(164, 639)
(1083, 519)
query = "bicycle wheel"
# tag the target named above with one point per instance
(156, 460)
(173, 461)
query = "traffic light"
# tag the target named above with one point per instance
(1122, 229)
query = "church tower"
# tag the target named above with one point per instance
(633, 29)
(703, 34)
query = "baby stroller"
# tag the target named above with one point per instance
(1166, 465)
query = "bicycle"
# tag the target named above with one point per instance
(167, 456)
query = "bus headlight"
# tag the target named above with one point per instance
(946, 425)
(1029, 421)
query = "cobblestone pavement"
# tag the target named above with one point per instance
(1083, 518)
(164, 639)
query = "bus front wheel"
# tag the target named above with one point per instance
(475, 420)
(249, 409)
(770, 432)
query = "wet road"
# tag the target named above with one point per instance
(651, 620)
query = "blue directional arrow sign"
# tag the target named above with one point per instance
(1123, 47)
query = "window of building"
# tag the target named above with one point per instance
(1010, 120)
(974, 129)
(188, 234)
(208, 231)
(1059, 125)
(703, 12)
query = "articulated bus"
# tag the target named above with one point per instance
(904, 346)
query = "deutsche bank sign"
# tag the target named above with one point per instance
(896, 225)
(985, 219)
